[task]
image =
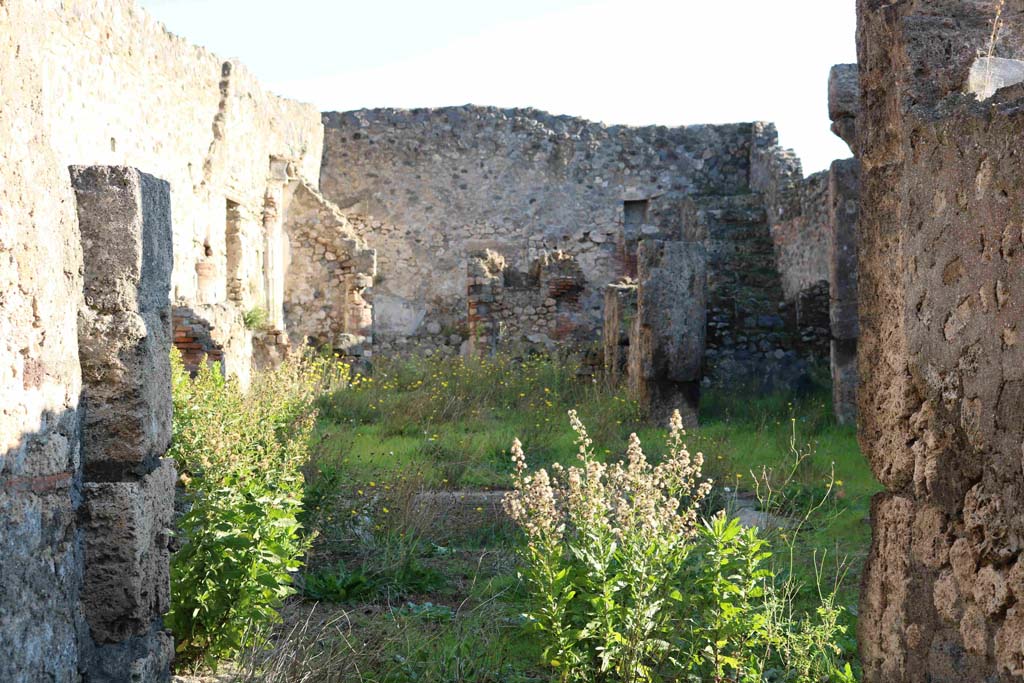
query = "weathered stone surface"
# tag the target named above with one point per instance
(941, 265)
(844, 102)
(844, 208)
(666, 350)
(449, 182)
(41, 567)
(124, 327)
(124, 332)
(329, 273)
(126, 528)
(40, 379)
(845, 380)
(619, 310)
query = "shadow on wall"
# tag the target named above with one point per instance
(40, 558)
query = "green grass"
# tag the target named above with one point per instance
(448, 424)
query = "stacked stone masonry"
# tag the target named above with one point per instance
(508, 308)
(383, 258)
(941, 277)
(124, 341)
(444, 184)
(88, 82)
(329, 273)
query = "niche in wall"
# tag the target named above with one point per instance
(634, 213)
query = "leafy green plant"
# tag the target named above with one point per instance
(239, 454)
(337, 584)
(726, 620)
(604, 549)
(627, 584)
(256, 319)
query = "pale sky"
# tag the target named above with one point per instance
(638, 62)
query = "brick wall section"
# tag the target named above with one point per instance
(193, 338)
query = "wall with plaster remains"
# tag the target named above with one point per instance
(443, 184)
(115, 88)
(449, 182)
(98, 82)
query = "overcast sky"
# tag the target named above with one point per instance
(669, 62)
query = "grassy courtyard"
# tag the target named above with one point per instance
(412, 572)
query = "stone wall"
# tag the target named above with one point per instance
(329, 270)
(448, 182)
(443, 184)
(113, 87)
(802, 242)
(87, 82)
(941, 272)
(40, 378)
(514, 311)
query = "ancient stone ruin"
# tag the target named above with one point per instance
(153, 195)
(941, 253)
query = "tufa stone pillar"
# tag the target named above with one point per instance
(844, 207)
(941, 345)
(619, 312)
(124, 338)
(844, 102)
(666, 349)
(844, 202)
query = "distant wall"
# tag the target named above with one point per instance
(802, 242)
(449, 182)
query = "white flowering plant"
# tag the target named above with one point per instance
(605, 545)
(627, 582)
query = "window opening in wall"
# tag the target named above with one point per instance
(635, 212)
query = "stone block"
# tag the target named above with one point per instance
(125, 220)
(667, 342)
(844, 101)
(619, 311)
(844, 209)
(126, 527)
(124, 327)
